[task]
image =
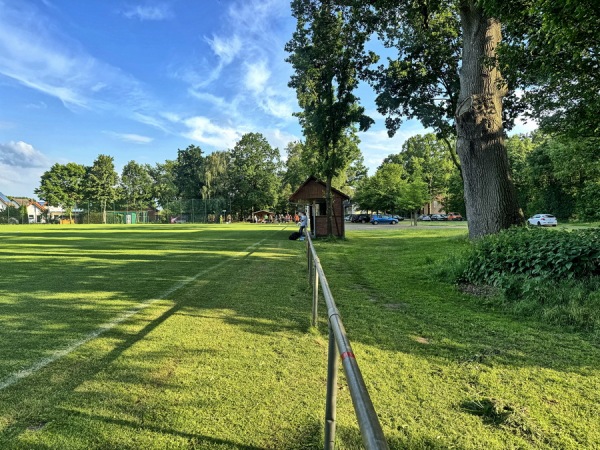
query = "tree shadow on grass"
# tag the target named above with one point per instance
(71, 376)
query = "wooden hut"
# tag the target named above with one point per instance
(312, 194)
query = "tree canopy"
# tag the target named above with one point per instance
(101, 182)
(551, 52)
(253, 173)
(443, 77)
(326, 54)
(63, 185)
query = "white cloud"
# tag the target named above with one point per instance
(38, 105)
(221, 105)
(258, 16)
(280, 139)
(257, 76)
(19, 181)
(149, 12)
(226, 49)
(152, 121)
(282, 109)
(203, 130)
(21, 154)
(130, 137)
(171, 117)
(36, 54)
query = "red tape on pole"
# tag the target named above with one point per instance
(347, 355)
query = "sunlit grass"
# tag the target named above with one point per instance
(219, 352)
(445, 369)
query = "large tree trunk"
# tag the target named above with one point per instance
(490, 195)
(329, 205)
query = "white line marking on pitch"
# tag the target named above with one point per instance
(24, 373)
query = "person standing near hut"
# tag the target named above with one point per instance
(303, 224)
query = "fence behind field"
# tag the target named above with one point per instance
(339, 345)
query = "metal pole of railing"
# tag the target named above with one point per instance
(309, 261)
(315, 290)
(331, 402)
(368, 422)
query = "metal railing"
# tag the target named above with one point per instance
(368, 422)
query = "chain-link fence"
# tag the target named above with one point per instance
(210, 210)
(215, 210)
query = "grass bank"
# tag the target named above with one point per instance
(195, 336)
(447, 371)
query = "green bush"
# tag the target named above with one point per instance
(534, 253)
(550, 274)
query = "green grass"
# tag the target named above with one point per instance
(221, 355)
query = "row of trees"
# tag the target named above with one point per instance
(250, 176)
(454, 73)
(558, 175)
(244, 177)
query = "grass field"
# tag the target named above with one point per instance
(191, 336)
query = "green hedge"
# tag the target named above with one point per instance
(553, 275)
(534, 253)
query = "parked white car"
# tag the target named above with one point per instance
(543, 220)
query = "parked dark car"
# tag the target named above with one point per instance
(360, 218)
(437, 217)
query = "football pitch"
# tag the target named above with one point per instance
(190, 336)
(177, 336)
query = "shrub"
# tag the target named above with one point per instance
(534, 253)
(550, 274)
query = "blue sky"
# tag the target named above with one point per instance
(139, 79)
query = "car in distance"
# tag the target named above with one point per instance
(424, 217)
(543, 220)
(437, 217)
(377, 219)
(360, 218)
(398, 218)
(454, 216)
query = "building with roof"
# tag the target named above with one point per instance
(6, 202)
(35, 211)
(312, 195)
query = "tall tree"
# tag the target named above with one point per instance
(519, 147)
(414, 195)
(101, 182)
(253, 170)
(190, 172)
(215, 174)
(423, 82)
(391, 190)
(478, 112)
(426, 157)
(164, 189)
(297, 168)
(136, 185)
(62, 185)
(325, 52)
